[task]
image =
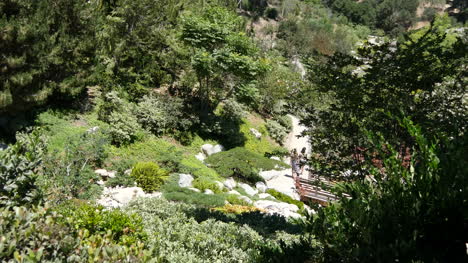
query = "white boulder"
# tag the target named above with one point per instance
(234, 192)
(265, 196)
(269, 175)
(120, 196)
(185, 180)
(93, 129)
(195, 189)
(275, 158)
(220, 185)
(208, 192)
(201, 157)
(261, 187)
(230, 183)
(209, 149)
(256, 133)
(248, 189)
(280, 208)
(104, 173)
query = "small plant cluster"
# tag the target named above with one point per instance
(237, 209)
(149, 176)
(242, 164)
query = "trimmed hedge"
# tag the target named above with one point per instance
(149, 176)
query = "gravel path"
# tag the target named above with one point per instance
(285, 183)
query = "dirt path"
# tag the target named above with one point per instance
(284, 183)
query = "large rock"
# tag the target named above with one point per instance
(121, 196)
(248, 189)
(201, 157)
(220, 185)
(261, 187)
(208, 192)
(234, 192)
(265, 196)
(209, 149)
(230, 183)
(185, 180)
(269, 175)
(280, 208)
(105, 174)
(256, 133)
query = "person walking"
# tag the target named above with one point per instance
(294, 163)
(303, 160)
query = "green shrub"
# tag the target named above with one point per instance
(203, 183)
(161, 114)
(232, 110)
(39, 235)
(286, 198)
(278, 152)
(149, 176)
(242, 164)
(149, 149)
(276, 131)
(124, 228)
(285, 121)
(124, 128)
(18, 167)
(193, 166)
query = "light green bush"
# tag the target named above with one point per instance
(204, 183)
(161, 114)
(242, 164)
(149, 176)
(193, 166)
(276, 131)
(124, 128)
(233, 110)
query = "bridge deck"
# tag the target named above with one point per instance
(311, 190)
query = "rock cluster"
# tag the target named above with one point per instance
(121, 196)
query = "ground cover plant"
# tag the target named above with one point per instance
(242, 164)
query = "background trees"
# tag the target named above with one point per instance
(421, 79)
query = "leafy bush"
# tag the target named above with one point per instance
(278, 152)
(232, 110)
(161, 114)
(276, 131)
(125, 229)
(149, 176)
(124, 128)
(38, 235)
(203, 183)
(286, 198)
(241, 163)
(18, 171)
(285, 121)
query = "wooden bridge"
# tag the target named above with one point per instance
(311, 190)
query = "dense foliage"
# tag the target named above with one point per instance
(422, 78)
(402, 213)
